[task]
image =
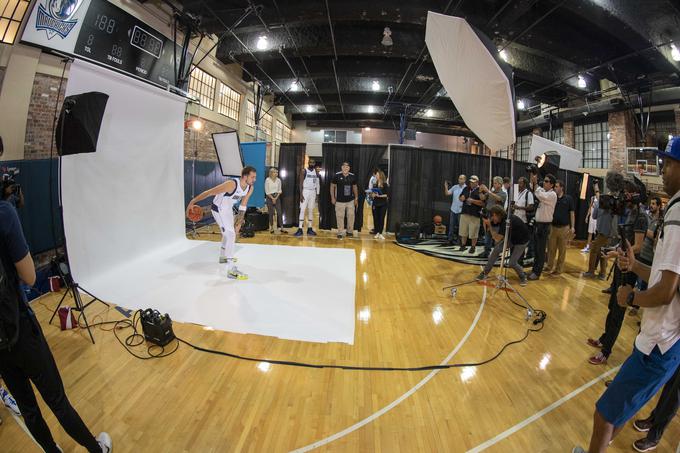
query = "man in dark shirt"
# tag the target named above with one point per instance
(469, 218)
(562, 230)
(30, 359)
(518, 241)
(344, 196)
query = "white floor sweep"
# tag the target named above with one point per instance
(296, 293)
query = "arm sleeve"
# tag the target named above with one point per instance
(13, 235)
(667, 255)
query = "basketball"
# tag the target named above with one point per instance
(195, 214)
(437, 219)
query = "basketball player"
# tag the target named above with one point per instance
(310, 189)
(229, 210)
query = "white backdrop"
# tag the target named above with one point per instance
(570, 158)
(124, 225)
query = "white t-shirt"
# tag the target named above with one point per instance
(272, 186)
(548, 199)
(523, 199)
(661, 325)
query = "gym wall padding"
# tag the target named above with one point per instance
(255, 154)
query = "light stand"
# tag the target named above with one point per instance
(63, 268)
(502, 279)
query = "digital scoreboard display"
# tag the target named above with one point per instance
(99, 31)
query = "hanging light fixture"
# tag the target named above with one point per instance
(375, 86)
(309, 109)
(675, 53)
(262, 43)
(294, 85)
(387, 37)
(520, 105)
(429, 113)
(581, 82)
(504, 55)
(370, 109)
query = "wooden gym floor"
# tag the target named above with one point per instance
(538, 396)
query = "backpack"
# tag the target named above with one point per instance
(9, 307)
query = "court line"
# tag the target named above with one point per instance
(512, 430)
(396, 402)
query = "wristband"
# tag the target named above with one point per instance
(242, 208)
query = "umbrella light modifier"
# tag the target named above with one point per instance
(476, 80)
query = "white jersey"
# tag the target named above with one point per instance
(311, 181)
(229, 200)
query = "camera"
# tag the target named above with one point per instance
(9, 181)
(531, 169)
(484, 213)
(623, 190)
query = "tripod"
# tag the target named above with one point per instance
(502, 279)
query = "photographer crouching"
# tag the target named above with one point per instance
(632, 230)
(517, 241)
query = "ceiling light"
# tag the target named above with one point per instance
(429, 113)
(309, 109)
(504, 55)
(375, 86)
(581, 82)
(675, 53)
(363, 252)
(262, 43)
(520, 105)
(197, 125)
(387, 37)
(294, 86)
(370, 109)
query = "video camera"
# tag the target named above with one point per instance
(8, 180)
(623, 190)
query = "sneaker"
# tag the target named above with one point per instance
(645, 445)
(310, 232)
(533, 276)
(598, 359)
(462, 248)
(523, 280)
(340, 236)
(643, 425)
(602, 277)
(585, 250)
(472, 250)
(377, 236)
(381, 237)
(271, 231)
(9, 402)
(594, 343)
(481, 276)
(578, 450)
(283, 231)
(105, 442)
(235, 274)
(298, 233)
(588, 275)
(607, 290)
(225, 260)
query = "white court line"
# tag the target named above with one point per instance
(512, 430)
(396, 402)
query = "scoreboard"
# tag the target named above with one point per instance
(99, 31)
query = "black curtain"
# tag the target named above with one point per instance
(291, 160)
(362, 158)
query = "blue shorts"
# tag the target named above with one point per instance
(638, 380)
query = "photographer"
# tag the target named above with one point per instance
(28, 358)
(517, 242)
(561, 231)
(470, 214)
(544, 216)
(637, 221)
(11, 191)
(493, 197)
(656, 353)
(456, 206)
(606, 223)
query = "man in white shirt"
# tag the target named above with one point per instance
(524, 199)
(544, 216)
(456, 206)
(656, 353)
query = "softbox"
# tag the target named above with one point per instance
(549, 163)
(79, 123)
(229, 155)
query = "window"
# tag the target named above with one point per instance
(593, 141)
(250, 114)
(278, 133)
(228, 102)
(335, 136)
(286, 134)
(266, 124)
(11, 14)
(523, 145)
(202, 85)
(557, 135)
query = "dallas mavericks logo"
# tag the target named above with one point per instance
(57, 18)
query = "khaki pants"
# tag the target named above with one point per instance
(340, 210)
(557, 245)
(596, 254)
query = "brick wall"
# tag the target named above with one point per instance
(622, 135)
(568, 131)
(201, 141)
(40, 116)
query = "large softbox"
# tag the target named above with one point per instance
(478, 82)
(79, 123)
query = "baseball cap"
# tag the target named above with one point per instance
(672, 150)
(474, 178)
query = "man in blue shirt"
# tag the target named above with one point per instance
(456, 206)
(29, 359)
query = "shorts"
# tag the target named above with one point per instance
(638, 380)
(469, 226)
(592, 226)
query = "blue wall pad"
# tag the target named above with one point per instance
(255, 154)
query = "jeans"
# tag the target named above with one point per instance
(541, 232)
(516, 252)
(379, 213)
(30, 360)
(617, 313)
(453, 226)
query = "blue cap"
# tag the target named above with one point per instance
(672, 150)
